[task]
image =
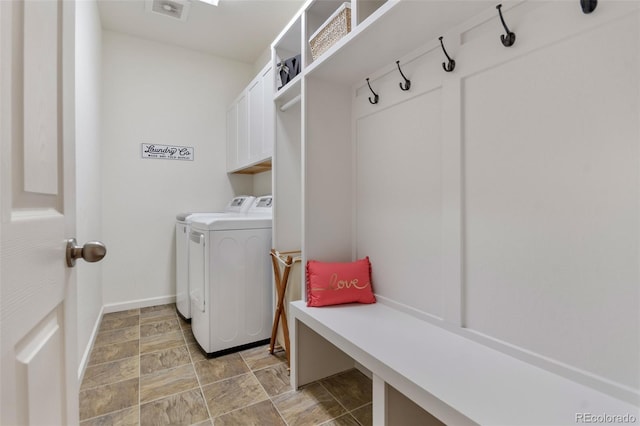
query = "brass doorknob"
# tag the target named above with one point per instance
(93, 251)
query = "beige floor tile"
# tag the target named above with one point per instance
(231, 394)
(157, 344)
(111, 372)
(275, 380)
(115, 323)
(158, 327)
(121, 314)
(260, 414)
(157, 316)
(259, 357)
(308, 406)
(351, 388)
(184, 323)
(114, 352)
(117, 336)
(196, 352)
(126, 417)
(164, 359)
(224, 367)
(95, 402)
(185, 408)
(169, 340)
(168, 306)
(344, 420)
(364, 415)
(150, 315)
(189, 337)
(167, 382)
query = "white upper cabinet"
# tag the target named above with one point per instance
(232, 136)
(250, 126)
(260, 98)
(237, 133)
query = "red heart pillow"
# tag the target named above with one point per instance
(337, 283)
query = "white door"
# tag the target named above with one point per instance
(37, 289)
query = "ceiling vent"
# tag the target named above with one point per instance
(176, 9)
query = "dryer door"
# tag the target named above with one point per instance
(197, 270)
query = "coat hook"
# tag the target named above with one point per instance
(407, 83)
(452, 64)
(376, 97)
(588, 6)
(509, 38)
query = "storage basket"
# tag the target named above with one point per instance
(333, 29)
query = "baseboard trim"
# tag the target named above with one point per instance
(87, 351)
(140, 303)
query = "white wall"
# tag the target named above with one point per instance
(159, 94)
(262, 184)
(88, 170)
(262, 60)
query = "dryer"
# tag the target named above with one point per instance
(237, 205)
(230, 280)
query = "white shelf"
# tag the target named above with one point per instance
(377, 42)
(288, 42)
(289, 91)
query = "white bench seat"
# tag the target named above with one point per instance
(457, 380)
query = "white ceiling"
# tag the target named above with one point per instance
(235, 29)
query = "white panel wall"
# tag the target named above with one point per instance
(326, 128)
(521, 170)
(155, 93)
(551, 197)
(398, 226)
(287, 218)
(88, 166)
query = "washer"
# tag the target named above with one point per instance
(237, 205)
(230, 280)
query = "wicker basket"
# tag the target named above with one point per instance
(337, 26)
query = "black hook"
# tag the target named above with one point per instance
(452, 64)
(588, 6)
(376, 97)
(407, 82)
(509, 38)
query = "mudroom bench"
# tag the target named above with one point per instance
(423, 373)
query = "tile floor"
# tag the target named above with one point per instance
(146, 369)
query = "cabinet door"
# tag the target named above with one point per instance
(250, 123)
(244, 152)
(256, 118)
(261, 118)
(232, 137)
(268, 129)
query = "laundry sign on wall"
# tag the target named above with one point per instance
(167, 152)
